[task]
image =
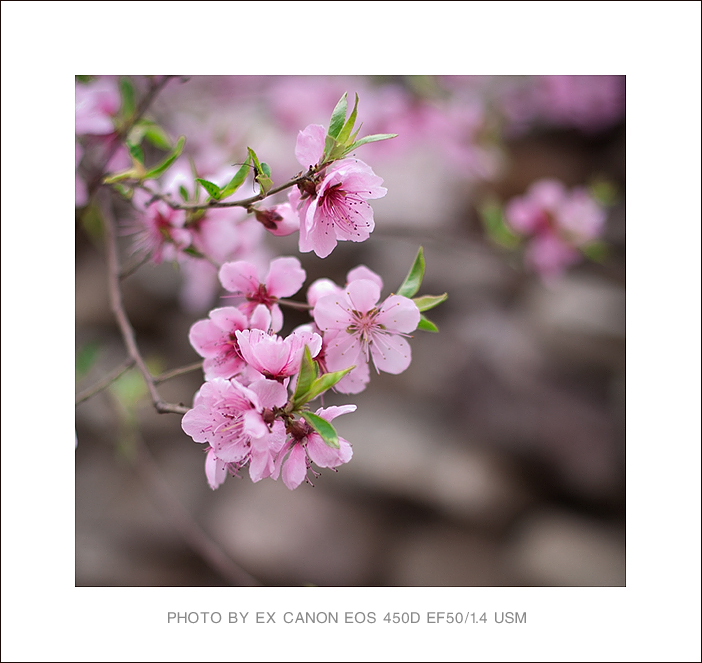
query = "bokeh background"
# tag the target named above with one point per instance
(496, 459)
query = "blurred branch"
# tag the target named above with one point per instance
(105, 382)
(126, 329)
(143, 106)
(208, 549)
(174, 373)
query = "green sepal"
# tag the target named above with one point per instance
(162, 167)
(426, 302)
(338, 116)
(323, 427)
(126, 90)
(236, 181)
(373, 138)
(426, 324)
(211, 188)
(414, 277)
(307, 375)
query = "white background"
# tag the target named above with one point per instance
(656, 45)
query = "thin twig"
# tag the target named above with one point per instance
(167, 375)
(300, 306)
(105, 382)
(120, 314)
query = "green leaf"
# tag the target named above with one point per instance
(85, 358)
(254, 159)
(236, 181)
(426, 324)
(338, 116)
(210, 187)
(597, 251)
(162, 167)
(426, 302)
(137, 153)
(265, 169)
(604, 192)
(126, 90)
(157, 136)
(414, 277)
(373, 138)
(348, 127)
(323, 427)
(193, 252)
(183, 193)
(495, 226)
(324, 382)
(305, 378)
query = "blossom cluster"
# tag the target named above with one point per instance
(252, 410)
(558, 224)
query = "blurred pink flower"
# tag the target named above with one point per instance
(97, 103)
(158, 230)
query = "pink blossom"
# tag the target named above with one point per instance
(273, 356)
(158, 230)
(280, 220)
(337, 209)
(356, 328)
(231, 419)
(285, 277)
(306, 446)
(215, 339)
(81, 188)
(96, 105)
(557, 222)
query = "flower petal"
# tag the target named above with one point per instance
(285, 277)
(310, 145)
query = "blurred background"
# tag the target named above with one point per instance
(497, 458)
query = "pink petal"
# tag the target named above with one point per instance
(331, 413)
(239, 277)
(310, 145)
(362, 272)
(363, 295)
(206, 338)
(355, 381)
(285, 277)
(343, 350)
(295, 468)
(270, 393)
(229, 319)
(391, 354)
(215, 470)
(331, 312)
(399, 314)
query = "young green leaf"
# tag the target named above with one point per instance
(348, 127)
(426, 302)
(254, 159)
(162, 167)
(210, 187)
(426, 324)
(323, 427)
(414, 277)
(157, 136)
(338, 116)
(495, 226)
(373, 138)
(126, 90)
(236, 181)
(183, 193)
(324, 382)
(136, 153)
(305, 378)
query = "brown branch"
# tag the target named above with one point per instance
(300, 306)
(211, 204)
(105, 382)
(125, 326)
(167, 375)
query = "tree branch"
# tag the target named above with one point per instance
(105, 382)
(125, 327)
(167, 375)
